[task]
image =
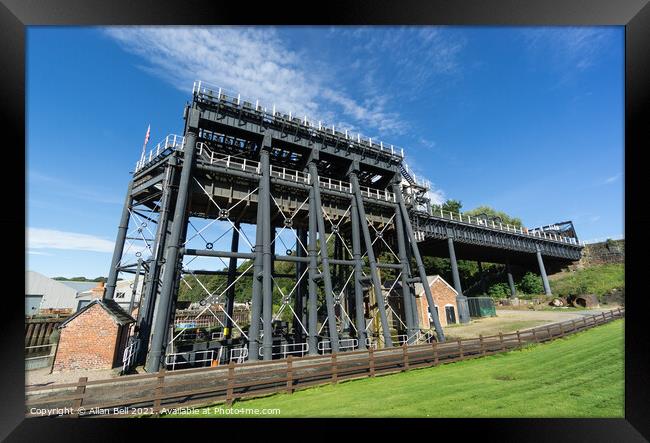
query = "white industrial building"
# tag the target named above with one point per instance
(43, 293)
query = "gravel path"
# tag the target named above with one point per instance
(511, 320)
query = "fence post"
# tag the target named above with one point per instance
(561, 330)
(434, 345)
(230, 383)
(535, 335)
(480, 337)
(604, 318)
(548, 329)
(575, 326)
(503, 345)
(460, 348)
(81, 390)
(518, 339)
(371, 361)
(584, 321)
(406, 357)
(160, 379)
(290, 374)
(334, 369)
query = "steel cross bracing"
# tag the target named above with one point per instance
(243, 189)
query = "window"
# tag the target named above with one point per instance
(82, 304)
(120, 295)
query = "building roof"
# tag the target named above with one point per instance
(432, 279)
(79, 286)
(110, 306)
(387, 284)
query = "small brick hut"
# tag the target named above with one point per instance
(444, 298)
(93, 338)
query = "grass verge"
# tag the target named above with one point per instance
(579, 376)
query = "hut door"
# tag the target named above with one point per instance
(451, 314)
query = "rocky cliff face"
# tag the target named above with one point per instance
(612, 251)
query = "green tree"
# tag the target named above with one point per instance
(492, 213)
(499, 290)
(448, 206)
(531, 284)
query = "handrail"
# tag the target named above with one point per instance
(519, 230)
(172, 141)
(230, 98)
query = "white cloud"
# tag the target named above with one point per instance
(428, 144)
(437, 196)
(31, 252)
(254, 62)
(68, 189)
(38, 238)
(569, 48)
(612, 179)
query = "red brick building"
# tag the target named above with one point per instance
(444, 298)
(93, 338)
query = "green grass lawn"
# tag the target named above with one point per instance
(578, 376)
(593, 280)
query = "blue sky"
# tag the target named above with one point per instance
(527, 120)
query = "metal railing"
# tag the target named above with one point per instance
(165, 147)
(234, 99)
(238, 355)
(520, 230)
(290, 174)
(422, 182)
(289, 349)
(346, 343)
(173, 363)
(128, 356)
(294, 175)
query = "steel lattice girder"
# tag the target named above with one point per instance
(251, 193)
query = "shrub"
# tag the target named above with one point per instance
(531, 284)
(499, 290)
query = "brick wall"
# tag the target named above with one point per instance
(442, 295)
(89, 341)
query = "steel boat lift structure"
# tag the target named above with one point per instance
(350, 205)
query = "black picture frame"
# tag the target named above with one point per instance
(15, 15)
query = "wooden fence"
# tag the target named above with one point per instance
(154, 393)
(38, 330)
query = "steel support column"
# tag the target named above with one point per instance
(312, 338)
(414, 306)
(267, 259)
(542, 272)
(172, 259)
(379, 295)
(358, 267)
(232, 274)
(258, 271)
(406, 269)
(122, 229)
(421, 271)
(511, 281)
(299, 301)
(461, 300)
(152, 282)
(327, 280)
